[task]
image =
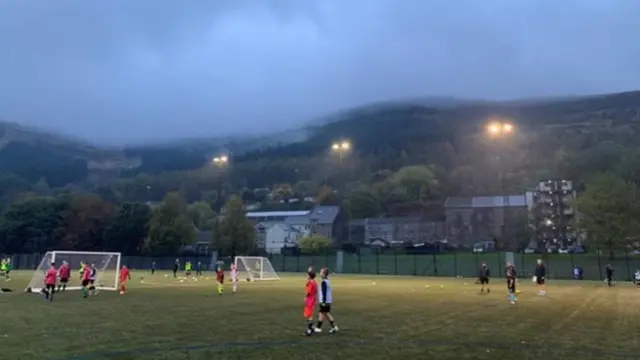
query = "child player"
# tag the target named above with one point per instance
(86, 280)
(187, 269)
(310, 301)
(153, 267)
(483, 277)
(510, 273)
(7, 269)
(326, 299)
(65, 273)
(199, 269)
(176, 267)
(234, 278)
(125, 275)
(540, 277)
(220, 279)
(92, 279)
(50, 282)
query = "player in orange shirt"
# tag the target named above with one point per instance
(310, 301)
(125, 275)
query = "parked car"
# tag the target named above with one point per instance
(577, 249)
(529, 251)
(563, 251)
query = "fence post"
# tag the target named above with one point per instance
(415, 265)
(377, 263)
(359, 264)
(599, 261)
(435, 264)
(395, 263)
(626, 260)
(455, 263)
(297, 263)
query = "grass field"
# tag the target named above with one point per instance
(379, 318)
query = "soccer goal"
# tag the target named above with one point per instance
(107, 265)
(255, 268)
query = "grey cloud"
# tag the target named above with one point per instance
(123, 71)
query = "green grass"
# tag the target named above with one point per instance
(380, 318)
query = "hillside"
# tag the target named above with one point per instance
(553, 135)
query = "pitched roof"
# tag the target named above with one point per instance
(260, 214)
(486, 201)
(324, 214)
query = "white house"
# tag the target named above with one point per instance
(272, 237)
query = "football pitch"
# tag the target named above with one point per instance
(380, 317)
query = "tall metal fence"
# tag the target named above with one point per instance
(559, 266)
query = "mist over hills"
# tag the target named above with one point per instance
(36, 155)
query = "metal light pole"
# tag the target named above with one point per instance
(221, 161)
(498, 131)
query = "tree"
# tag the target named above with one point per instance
(315, 244)
(33, 225)
(201, 214)
(609, 211)
(234, 233)
(417, 182)
(170, 228)
(363, 203)
(85, 223)
(128, 229)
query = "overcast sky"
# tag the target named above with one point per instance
(123, 71)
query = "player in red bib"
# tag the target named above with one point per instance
(220, 279)
(86, 280)
(310, 301)
(50, 279)
(65, 273)
(125, 276)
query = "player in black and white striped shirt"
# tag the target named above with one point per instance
(325, 300)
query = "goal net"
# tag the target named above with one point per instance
(255, 268)
(107, 265)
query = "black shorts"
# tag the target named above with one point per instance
(511, 285)
(50, 287)
(483, 280)
(64, 280)
(175, 270)
(221, 280)
(92, 282)
(540, 280)
(86, 283)
(325, 308)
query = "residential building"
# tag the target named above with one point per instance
(481, 218)
(394, 231)
(553, 214)
(280, 228)
(272, 237)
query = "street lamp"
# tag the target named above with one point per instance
(221, 160)
(499, 129)
(341, 148)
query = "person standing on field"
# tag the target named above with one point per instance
(540, 277)
(483, 277)
(50, 282)
(310, 301)
(326, 299)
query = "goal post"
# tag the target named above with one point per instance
(107, 265)
(255, 268)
